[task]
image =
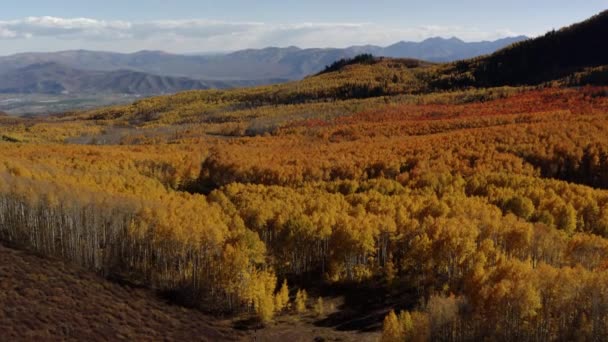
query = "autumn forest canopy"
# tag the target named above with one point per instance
(470, 197)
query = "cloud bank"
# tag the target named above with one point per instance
(212, 35)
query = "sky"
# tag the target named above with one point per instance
(196, 26)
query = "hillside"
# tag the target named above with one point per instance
(44, 299)
(469, 193)
(380, 77)
(553, 56)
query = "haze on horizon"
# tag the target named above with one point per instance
(190, 26)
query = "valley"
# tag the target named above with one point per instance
(37, 104)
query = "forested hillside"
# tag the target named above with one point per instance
(441, 199)
(555, 55)
(360, 199)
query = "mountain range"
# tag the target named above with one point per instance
(156, 72)
(56, 78)
(37, 83)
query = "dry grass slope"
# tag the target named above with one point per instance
(42, 299)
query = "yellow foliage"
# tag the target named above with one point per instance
(301, 299)
(319, 307)
(392, 330)
(282, 297)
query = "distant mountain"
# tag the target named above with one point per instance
(254, 64)
(447, 50)
(55, 78)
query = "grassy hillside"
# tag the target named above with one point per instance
(48, 300)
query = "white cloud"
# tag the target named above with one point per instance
(6, 33)
(203, 34)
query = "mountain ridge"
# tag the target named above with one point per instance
(290, 62)
(56, 78)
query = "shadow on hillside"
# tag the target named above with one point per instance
(365, 306)
(248, 324)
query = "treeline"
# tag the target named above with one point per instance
(365, 58)
(512, 302)
(592, 76)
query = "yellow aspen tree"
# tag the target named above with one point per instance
(392, 331)
(263, 284)
(405, 319)
(305, 297)
(421, 331)
(301, 298)
(265, 309)
(319, 307)
(282, 297)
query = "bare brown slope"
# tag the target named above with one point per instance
(46, 300)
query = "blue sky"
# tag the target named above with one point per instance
(198, 25)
